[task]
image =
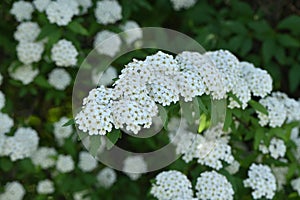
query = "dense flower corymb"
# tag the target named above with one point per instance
(106, 177)
(64, 53)
(108, 12)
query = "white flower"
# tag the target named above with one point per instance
(182, 4)
(41, 5)
(276, 112)
(104, 78)
(64, 164)
(107, 43)
(280, 175)
(108, 12)
(44, 157)
(259, 81)
(81, 195)
(87, 162)
(27, 32)
(61, 12)
(134, 167)
(262, 181)
(2, 100)
(22, 10)
(13, 191)
(170, 185)
(22, 145)
(45, 187)
(24, 73)
(213, 186)
(64, 53)
(30, 52)
(296, 185)
(61, 132)
(276, 148)
(6, 123)
(133, 32)
(85, 5)
(59, 79)
(233, 167)
(106, 177)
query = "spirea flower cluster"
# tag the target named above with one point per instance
(106, 177)
(13, 190)
(276, 148)
(64, 53)
(134, 167)
(25, 73)
(45, 187)
(108, 12)
(59, 79)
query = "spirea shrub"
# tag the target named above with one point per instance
(50, 148)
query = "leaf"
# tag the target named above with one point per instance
(291, 23)
(46, 30)
(268, 50)
(202, 106)
(246, 46)
(42, 82)
(228, 120)
(259, 135)
(78, 28)
(288, 41)
(294, 80)
(112, 138)
(202, 124)
(70, 122)
(162, 113)
(261, 26)
(257, 106)
(95, 142)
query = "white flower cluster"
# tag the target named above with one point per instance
(104, 78)
(262, 181)
(59, 79)
(233, 168)
(280, 175)
(276, 148)
(2, 100)
(64, 53)
(22, 10)
(6, 123)
(133, 33)
(134, 167)
(85, 5)
(213, 186)
(41, 5)
(182, 4)
(280, 108)
(172, 185)
(24, 73)
(22, 145)
(30, 52)
(45, 187)
(86, 162)
(13, 191)
(62, 132)
(108, 12)
(81, 195)
(107, 43)
(64, 164)
(44, 157)
(61, 12)
(27, 32)
(296, 185)
(106, 177)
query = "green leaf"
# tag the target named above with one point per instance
(246, 46)
(70, 122)
(259, 135)
(6, 164)
(288, 41)
(46, 30)
(261, 26)
(78, 28)
(203, 123)
(95, 142)
(294, 80)
(163, 116)
(268, 50)
(228, 120)
(257, 106)
(202, 106)
(290, 23)
(42, 82)
(112, 138)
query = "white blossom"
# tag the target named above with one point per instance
(45, 187)
(59, 79)
(41, 5)
(64, 53)
(85, 5)
(86, 162)
(133, 32)
(30, 52)
(107, 43)
(81, 195)
(280, 175)
(2, 100)
(134, 167)
(233, 168)
(296, 185)
(60, 131)
(104, 78)
(22, 10)
(64, 164)
(108, 12)
(6, 123)
(106, 177)
(27, 32)
(13, 191)
(25, 73)
(44, 157)
(182, 4)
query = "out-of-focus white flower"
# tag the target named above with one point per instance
(44, 157)
(61, 12)
(170, 185)
(22, 10)
(85, 5)
(30, 52)
(104, 78)
(41, 5)
(134, 167)
(61, 132)
(280, 175)
(27, 32)
(276, 148)
(108, 12)
(24, 73)
(87, 162)
(233, 167)
(6, 123)
(296, 185)
(64, 164)
(133, 32)
(262, 181)
(64, 53)
(81, 195)
(213, 186)
(106, 177)
(59, 79)
(13, 191)
(2, 100)
(22, 145)
(45, 187)
(182, 4)
(107, 43)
